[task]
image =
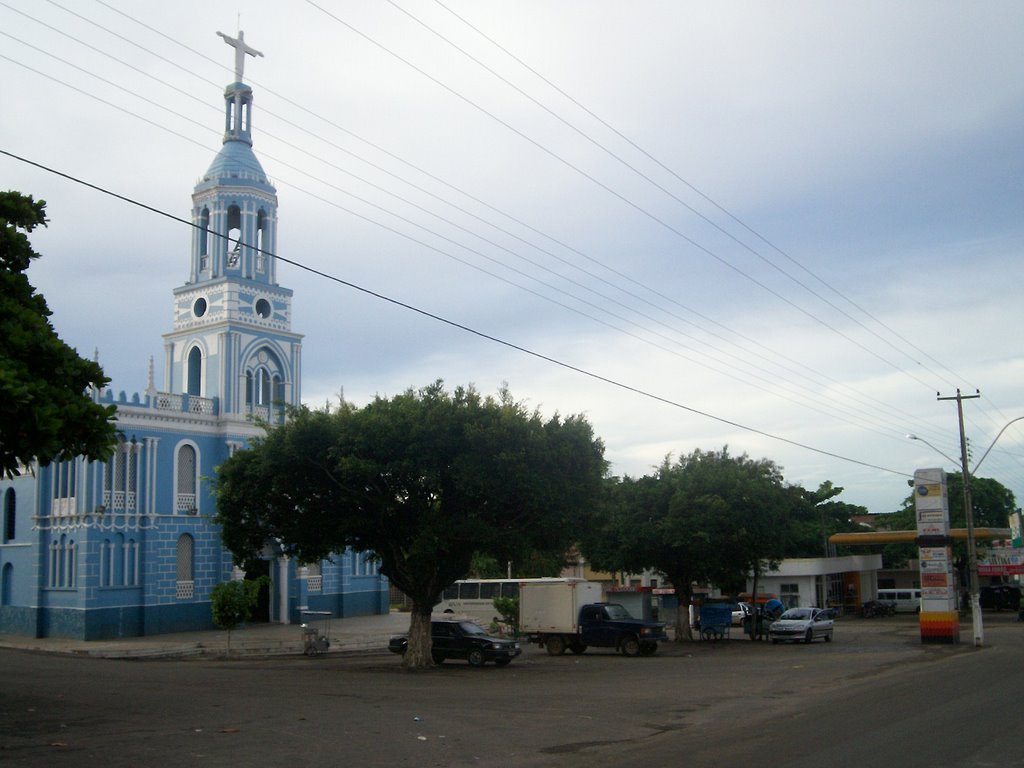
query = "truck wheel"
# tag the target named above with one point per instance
(437, 657)
(630, 646)
(555, 645)
(476, 658)
(648, 649)
(577, 648)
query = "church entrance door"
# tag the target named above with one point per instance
(253, 571)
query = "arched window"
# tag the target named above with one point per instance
(10, 510)
(234, 236)
(204, 238)
(106, 563)
(186, 479)
(195, 372)
(120, 477)
(64, 474)
(117, 561)
(63, 563)
(264, 394)
(70, 563)
(314, 577)
(261, 240)
(6, 584)
(131, 563)
(185, 585)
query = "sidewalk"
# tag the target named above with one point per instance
(359, 634)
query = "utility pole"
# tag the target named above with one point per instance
(972, 549)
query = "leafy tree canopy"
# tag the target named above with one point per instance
(426, 481)
(992, 503)
(815, 519)
(45, 410)
(709, 517)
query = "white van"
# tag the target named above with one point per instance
(906, 600)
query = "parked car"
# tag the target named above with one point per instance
(462, 640)
(1000, 597)
(742, 611)
(801, 624)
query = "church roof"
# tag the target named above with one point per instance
(236, 162)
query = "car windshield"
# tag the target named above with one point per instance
(469, 628)
(616, 612)
(797, 613)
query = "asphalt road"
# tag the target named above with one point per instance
(874, 697)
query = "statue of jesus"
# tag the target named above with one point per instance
(240, 50)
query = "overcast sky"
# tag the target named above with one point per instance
(782, 227)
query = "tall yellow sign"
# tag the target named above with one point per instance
(940, 621)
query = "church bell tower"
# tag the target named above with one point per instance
(232, 338)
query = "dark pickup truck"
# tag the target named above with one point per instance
(603, 625)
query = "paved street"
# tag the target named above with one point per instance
(874, 696)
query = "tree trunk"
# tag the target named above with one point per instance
(684, 632)
(417, 654)
(756, 617)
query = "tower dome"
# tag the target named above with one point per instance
(235, 164)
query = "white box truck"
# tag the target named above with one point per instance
(562, 614)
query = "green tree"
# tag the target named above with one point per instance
(508, 609)
(45, 411)
(232, 603)
(709, 517)
(532, 564)
(817, 517)
(992, 503)
(425, 481)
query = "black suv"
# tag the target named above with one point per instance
(1000, 597)
(463, 640)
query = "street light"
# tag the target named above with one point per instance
(921, 439)
(1011, 421)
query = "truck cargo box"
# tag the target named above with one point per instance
(554, 606)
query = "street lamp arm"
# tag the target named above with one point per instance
(921, 439)
(1011, 421)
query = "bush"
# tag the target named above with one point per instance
(232, 602)
(508, 610)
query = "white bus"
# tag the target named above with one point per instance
(474, 598)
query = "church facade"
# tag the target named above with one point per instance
(129, 547)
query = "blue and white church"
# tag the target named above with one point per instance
(129, 547)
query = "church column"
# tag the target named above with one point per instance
(149, 476)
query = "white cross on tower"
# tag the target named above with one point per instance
(240, 50)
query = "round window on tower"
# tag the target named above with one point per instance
(199, 307)
(263, 308)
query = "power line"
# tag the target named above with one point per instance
(403, 234)
(679, 178)
(193, 51)
(698, 361)
(638, 208)
(469, 329)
